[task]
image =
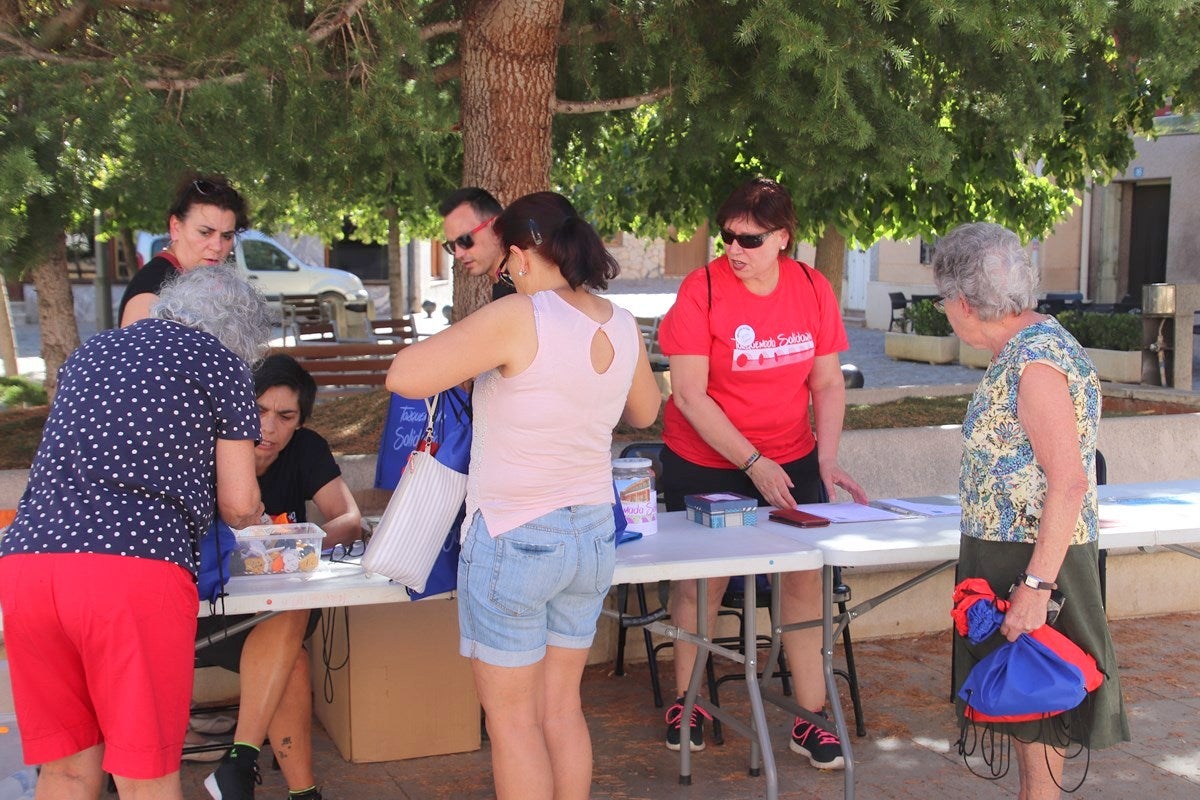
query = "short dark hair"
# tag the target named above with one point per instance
(764, 201)
(281, 369)
(547, 223)
(209, 190)
(479, 199)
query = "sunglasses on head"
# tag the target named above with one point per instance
(467, 240)
(748, 241)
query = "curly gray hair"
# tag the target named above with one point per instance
(984, 264)
(217, 300)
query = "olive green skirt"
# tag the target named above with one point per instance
(1100, 720)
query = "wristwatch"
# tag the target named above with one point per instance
(1034, 582)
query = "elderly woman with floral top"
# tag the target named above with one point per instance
(1029, 518)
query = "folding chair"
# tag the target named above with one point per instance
(899, 303)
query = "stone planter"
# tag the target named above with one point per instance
(1120, 366)
(973, 356)
(930, 349)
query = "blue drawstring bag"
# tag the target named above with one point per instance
(405, 425)
(452, 428)
(216, 546)
(1020, 678)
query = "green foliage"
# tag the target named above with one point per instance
(1103, 331)
(18, 391)
(923, 319)
(881, 117)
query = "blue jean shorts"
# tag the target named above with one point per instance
(542, 583)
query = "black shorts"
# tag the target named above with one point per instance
(227, 652)
(682, 477)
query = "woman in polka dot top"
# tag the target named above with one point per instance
(152, 426)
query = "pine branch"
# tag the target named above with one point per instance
(321, 32)
(439, 28)
(611, 104)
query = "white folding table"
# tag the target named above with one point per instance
(337, 583)
(933, 542)
(683, 550)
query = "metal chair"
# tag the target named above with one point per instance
(308, 316)
(899, 303)
(732, 603)
(1102, 559)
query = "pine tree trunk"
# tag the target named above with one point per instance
(8, 345)
(509, 68)
(56, 311)
(831, 258)
(395, 266)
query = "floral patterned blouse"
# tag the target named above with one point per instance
(1002, 487)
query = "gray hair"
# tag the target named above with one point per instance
(984, 264)
(217, 300)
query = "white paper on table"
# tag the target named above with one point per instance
(848, 512)
(935, 506)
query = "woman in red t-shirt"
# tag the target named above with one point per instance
(752, 338)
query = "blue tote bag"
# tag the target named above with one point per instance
(405, 424)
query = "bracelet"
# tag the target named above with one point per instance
(749, 462)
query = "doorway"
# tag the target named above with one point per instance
(1147, 243)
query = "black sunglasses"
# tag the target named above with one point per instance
(467, 240)
(748, 241)
(502, 274)
(341, 552)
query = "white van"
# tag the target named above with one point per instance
(275, 270)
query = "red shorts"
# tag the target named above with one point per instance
(101, 650)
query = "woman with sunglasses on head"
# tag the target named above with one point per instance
(203, 220)
(558, 367)
(752, 338)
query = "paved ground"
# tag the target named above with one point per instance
(908, 753)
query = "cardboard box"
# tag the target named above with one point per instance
(404, 691)
(721, 509)
(6, 701)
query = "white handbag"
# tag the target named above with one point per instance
(409, 536)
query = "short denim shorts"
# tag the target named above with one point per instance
(542, 583)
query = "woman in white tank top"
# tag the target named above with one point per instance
(555, 368)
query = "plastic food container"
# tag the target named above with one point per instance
(721, 509)
(284, 549)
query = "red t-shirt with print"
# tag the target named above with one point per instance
(760, 352)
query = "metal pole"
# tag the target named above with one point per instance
(101, 283)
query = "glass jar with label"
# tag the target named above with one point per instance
(634, 479)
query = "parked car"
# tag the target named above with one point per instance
(275, 270)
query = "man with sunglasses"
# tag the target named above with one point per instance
(294, 465)
(467, 217)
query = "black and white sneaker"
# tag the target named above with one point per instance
(236, 776)
(675, 724)
(823, 748)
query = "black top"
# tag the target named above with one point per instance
(127, 463)
(502, 289)
(300, 471)
(148, 280)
